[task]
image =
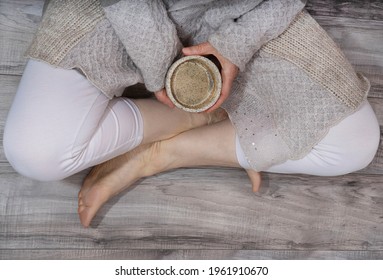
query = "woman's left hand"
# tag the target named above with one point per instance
(229, 70)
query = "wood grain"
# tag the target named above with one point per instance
(106, 254)
(361, 41)
(193, 209)
(7, 92)
(18, 23)
(368, 9)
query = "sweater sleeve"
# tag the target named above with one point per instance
(239, 39)
(149, 36)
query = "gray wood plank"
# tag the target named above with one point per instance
(106, 254)
(361, 41)
(194, 209)
(18, 22)
(370, 9)
(7, 92)
(357, 28)
(376, 167)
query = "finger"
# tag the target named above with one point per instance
(201, 49)
(166, 101)
(224, 95)
(216, 105)
(228, 77)
(163, 98)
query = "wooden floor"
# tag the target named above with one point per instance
(206, 213)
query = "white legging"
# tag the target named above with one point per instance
(60, 124)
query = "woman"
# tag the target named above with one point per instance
(295, 103)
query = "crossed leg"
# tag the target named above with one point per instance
(349, 146)
(60, 124)
(203, 146)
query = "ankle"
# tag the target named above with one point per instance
(155, 159)
(198, 119)
(216, 116)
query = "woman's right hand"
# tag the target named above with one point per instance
(163, 98)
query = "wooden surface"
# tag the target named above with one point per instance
(207, 213)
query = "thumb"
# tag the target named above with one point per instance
(163, 98)
(201, 49)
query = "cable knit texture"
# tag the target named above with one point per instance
(294, 83)
(348, 87)
(64, 25)
(238, 40)
(148, 35)
(298, 86)
(108, 66)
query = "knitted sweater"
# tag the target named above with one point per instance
(294, 83)
(146, 35)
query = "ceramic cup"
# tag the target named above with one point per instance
(193, 83)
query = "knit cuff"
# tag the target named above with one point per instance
(154, 73)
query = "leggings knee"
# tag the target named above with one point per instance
(32, 157)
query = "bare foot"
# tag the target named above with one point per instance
(255, 178)
(112, 177)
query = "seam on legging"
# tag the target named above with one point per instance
(138, 119)
(75, 153)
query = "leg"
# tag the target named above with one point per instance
(357, 135)
(60, 124)
(160, 122)
(348, 147)
(209, 145)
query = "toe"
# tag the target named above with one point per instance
(80, 209)
(86, 214)
(255, 178)
(84, 218)
(91, 202)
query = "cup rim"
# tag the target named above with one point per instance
(214, 71)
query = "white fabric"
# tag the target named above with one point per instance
(59, 124)
(349, 146)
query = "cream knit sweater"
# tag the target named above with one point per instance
(294, 83)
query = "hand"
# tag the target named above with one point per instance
(229, 70)
(163, 98)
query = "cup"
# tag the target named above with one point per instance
(193, 83)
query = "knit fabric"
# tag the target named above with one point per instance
(64, 25)
(294, 82)
(148, 35)
(108, 66)
(278, 111)
(239, 40)
(321, 58)
(296, 88)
